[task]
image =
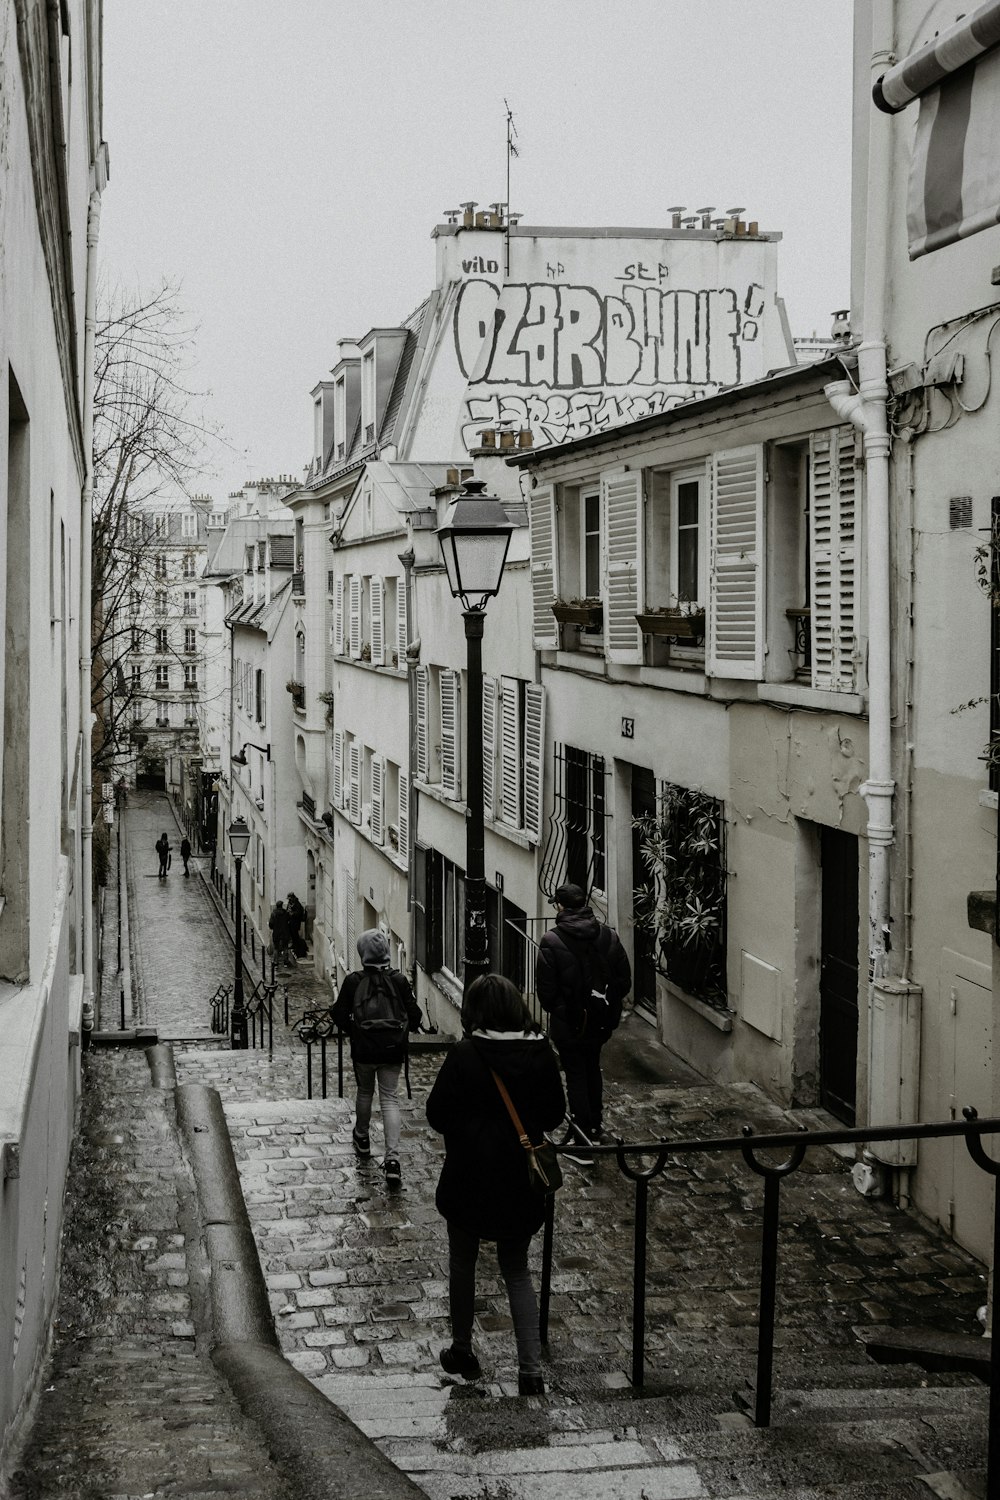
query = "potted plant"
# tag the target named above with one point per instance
(298, 692)
(683, 621)
(587, 613)
(327, 698)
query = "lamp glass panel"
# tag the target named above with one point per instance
(480, 561)
(447, 552)
(239, 838)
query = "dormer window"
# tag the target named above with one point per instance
(340, 416)
(368, 396)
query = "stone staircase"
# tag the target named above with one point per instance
(593, 1437)
(358, 1281)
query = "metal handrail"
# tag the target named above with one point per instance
(749, 1144)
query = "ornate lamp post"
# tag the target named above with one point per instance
(239, 843)
(474, 538)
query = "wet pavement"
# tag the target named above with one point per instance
(357, 1278)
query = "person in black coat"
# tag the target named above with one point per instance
(579, 960)
(163, 854)
(375, 1060)
(186, 853)
(484, 1192)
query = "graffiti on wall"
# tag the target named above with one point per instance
(567, 347)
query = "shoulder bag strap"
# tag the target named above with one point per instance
(521, 1132)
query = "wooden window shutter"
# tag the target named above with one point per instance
(833, 559)
(378, 800)
(403, 815)
(350, 917)
(378, 620)
(450, 726)
(510, 751)
(338, 616)
(423, 742)
(355, 616)
(534, 750)
(354, 793)
(622, 538)
(402, 629)
(736, 564)
(338, 768)
(489, 745)
(544, 566)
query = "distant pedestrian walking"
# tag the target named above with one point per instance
(484, 1192)
(163, 852)
(376, 1008)
(582, 975)
(278, 923)
(296, 916)
(186, 854)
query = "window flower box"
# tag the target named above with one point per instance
(677, 624)
(587, 613)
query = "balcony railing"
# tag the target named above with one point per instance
(309, 805)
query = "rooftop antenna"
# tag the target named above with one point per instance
(511, 152)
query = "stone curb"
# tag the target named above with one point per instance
(323, 1454)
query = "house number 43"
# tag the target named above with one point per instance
(628, 729)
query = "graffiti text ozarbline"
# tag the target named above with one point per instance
(567, 336)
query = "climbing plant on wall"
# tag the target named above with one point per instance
(682, 901)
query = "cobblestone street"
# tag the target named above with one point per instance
(357, 1279)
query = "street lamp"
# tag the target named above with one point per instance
(239, 843)
(474, 538)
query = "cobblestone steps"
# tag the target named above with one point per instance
(455, 1441)
(131, 1404)
(358, 1281)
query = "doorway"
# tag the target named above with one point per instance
(838, 975)
(644, 959)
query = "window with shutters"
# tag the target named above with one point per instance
(354, 626)
(672, 616)
(513, 740)
(338, 615)
(451, 732)
(259, 695)
(337, 769)
(376, 613)
(377, 788)
(354, 780)
(401, 623)
(833, 555)
(403, 816)
(735, 641)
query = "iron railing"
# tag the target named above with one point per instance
(750, 1145)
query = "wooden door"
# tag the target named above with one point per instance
(838, 982)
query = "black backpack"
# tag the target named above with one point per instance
(593, 1013)
(380, 1025)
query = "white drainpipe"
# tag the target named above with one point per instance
(865, 408)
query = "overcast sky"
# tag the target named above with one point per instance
(286, 160)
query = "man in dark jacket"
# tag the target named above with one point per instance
(377, 1050)
(582, 975)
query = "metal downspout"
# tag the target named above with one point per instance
(866, 409)
(86, 605)
(407, 559)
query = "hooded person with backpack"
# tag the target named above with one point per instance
(582, 975)
(377, 1010)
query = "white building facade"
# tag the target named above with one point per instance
(49, 220)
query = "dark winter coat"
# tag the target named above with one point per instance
(342, 1012)
(185, 849)
(566, 972)
(484, 1187)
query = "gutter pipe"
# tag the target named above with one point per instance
(866, 409)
